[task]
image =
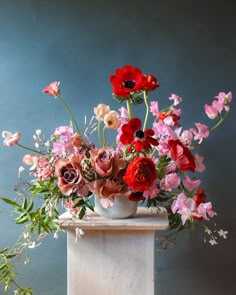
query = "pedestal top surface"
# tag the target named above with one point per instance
(144, 219)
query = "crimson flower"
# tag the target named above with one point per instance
(126, 80)
(133, 134)
(182, 156)
(151, 83)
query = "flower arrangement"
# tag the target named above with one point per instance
(154, 166)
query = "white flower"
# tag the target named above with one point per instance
(208, 231)
(36, 145)
(213, 242)
(21, 168)
(223, 233)
(38, 132)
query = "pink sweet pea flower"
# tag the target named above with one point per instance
(123, 115)
(205, 209)
(199, 166)
(10, 139)
(201, 133)
(177, 99)
(154, 109)
(225, 99)
(170, 181)
(211, 111)
(53, 89)
(191, 184)
(151, 193)
(186, 138)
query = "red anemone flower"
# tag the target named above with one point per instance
(133, 134)
(126, 80)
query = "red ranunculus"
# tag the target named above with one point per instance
(182, 156)
(132, 134)
(140, 174)
(200, 196)
(126, 80)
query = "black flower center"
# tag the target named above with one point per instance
(139, 134)
(129, 84)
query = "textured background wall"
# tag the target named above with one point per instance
(189, 45)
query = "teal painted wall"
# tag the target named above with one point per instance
(189, 45)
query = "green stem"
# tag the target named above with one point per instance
(99, 133)
(128, 105)
(219, 122)
(145, 97)
(29, 149)
(70, 114)
(104, 136)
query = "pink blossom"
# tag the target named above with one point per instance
(64, 143)
(225, 99)
(163, 148)
(10, 139)
(154, 109)
(201, 133)
(176, 111)
(177, 99)
(30, 159)
(211, 111)
(205, 209)
(123, 115)
(186, 138)
(101, 110)
(53, 89)
(191, 184)
(170, 181)
(151, 193)
(164, 131)
(199, 166)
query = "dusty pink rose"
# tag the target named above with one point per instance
(101, 110)
(111, 120)
(42, 167)
(107, 188)
(10, 139)
(69, 175)
(52, 89)
(106, 161)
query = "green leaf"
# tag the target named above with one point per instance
(3, 266)
(3, 275)
(24, 204)
(3, 250)
(10, 202)
(9, 256)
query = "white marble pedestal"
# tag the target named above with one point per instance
(113, 257)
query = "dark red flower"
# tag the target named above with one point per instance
(136, 196)
(140, 174)
(200, 196)
(151, 83)
(163, 115)
(181, 155)
(126, 80)
(132, 134)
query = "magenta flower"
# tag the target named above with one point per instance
(52, 89)
(10, 139)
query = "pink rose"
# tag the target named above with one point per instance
(106, 161)
(10, 139)
(69, 175)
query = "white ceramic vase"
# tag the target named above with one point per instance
(123, 208)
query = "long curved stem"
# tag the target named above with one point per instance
(128, 104)
(219, 122)
(29, 149)
(70, 114)
(145, 97)
(104, 136)
(99, 133)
